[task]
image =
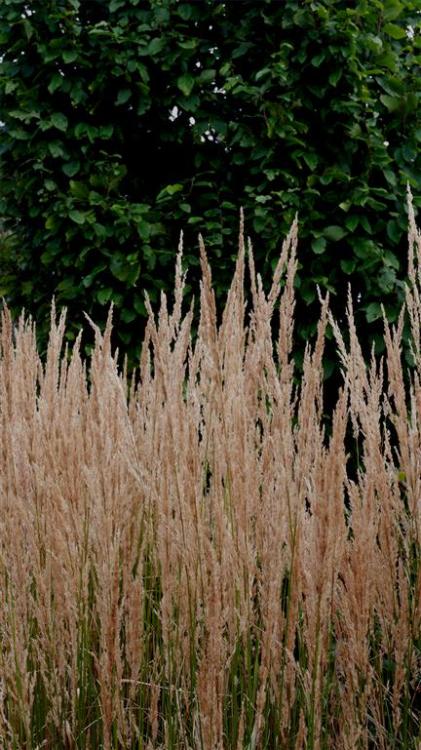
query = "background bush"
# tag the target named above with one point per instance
(124, 122)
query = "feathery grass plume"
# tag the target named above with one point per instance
(185, 560)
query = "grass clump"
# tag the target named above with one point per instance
(185, 560)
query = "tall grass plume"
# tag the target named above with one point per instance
(185, 559)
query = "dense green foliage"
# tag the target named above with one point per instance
(125, 121)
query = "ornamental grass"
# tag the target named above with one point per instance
(186, 558)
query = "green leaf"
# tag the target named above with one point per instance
(185, 11)
(393, 231)
(29, 31)
(139, 306)
(83, 128)
(106, 131)
(366, 250)
(71, 168)
(104, 295)
(101, 231)
(10, 86)
(374, 43)
(308, 293)
(169, 190)
(319, 246)
(345, 206)
(119, 266)
(335, 76)
(80, 129)
(143, 105)
(329, 366)
(77, 216)
(392, 9)
(22, 115)
(373, 312)
(392, 103)
(390, 259)
(19, 133)
(70, 55)
(51, 222)
(143, 229)
(387, 279)
(388, 60)
(206, 76)
(68, 287)
(155, 46)
(128, 315)
(186, 83)
(123, 96)
(364, 222)
(318, 59)
(348, 265)
(55, 149)
(133, 274)
(87, 280)
(91, 132)
(78, 189)
(396, 32)
(262, 73)
(390, 177)
(311, 160)
(188, 43)
(334, 233)
(59, 121)
(55, 83)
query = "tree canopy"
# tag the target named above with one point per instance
(126, 121)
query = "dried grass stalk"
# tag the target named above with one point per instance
(185, 561)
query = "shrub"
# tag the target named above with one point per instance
(275, 106)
